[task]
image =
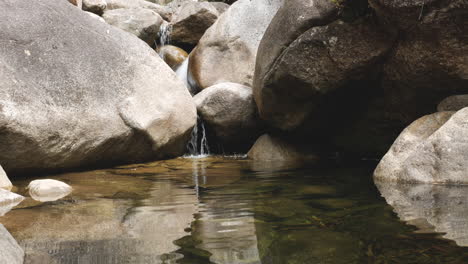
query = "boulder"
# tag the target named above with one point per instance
(453, 103)
(8, 200)
(48, 190)
(78, 3)
(302, 61)
(76, 92)
(229, 110)
(273, 148)
(95, 6)
(172, 55)
(191, 21)
(433, 149)
(232, 43)
(11, 252)
(163, 11)
(5, 183)
(141, 22)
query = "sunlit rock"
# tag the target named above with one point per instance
(161, 10)
(95, 6)
(10, 251)
(48, 190)
(5, 183)
(433, 149)
(141, 22)
(8, 200)
(432, 208)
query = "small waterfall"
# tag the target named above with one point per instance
(198, 145)
(164, 34)
(184, 74)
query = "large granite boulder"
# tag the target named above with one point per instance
(11, 252)
(302, 61)
(232, 43)
(163, 11)
(229, 110)
(274, 148)
(141, 22)
(77, 92)
(191, 21)
(433, 149)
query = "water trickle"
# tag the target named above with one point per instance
(184, 74)
(198, 145)
(165, 34)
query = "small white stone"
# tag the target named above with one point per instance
(27, 52)
(48, 190)
(5, 183)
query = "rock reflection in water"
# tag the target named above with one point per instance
(431, 208)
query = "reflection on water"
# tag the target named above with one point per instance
(431, 208)
(233, 211)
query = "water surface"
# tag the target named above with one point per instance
(231, 210)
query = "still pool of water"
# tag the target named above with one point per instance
(235, 211)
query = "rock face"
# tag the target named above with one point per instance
(191, 21)
(432, 150)
(163, 11)
(172, 55)
(48, 190)
(453, 103)
(5, 183)
(120, 103)
(271, 148)
(229, 110)
(232, 43)
(11, 252)
(294, 78)
(379, 67)
(8, 200)
(95, 6)
(141, 22)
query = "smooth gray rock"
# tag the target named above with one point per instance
(163, 11)
(141, 22)
(95, 16)
(453, 103)
(232, 43)
(229, 109)
(431, 208)
(191, 21)
(77, 92)
(433, 149)
(95, 6)
(11, 252)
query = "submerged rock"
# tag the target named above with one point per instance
(48, 190)
(232, 43)
(107, 98)
(191, 21)
(172, 55)
(11, 252)
(5, 183)
(141, 22)
(433, 149)
(229, 109)
(8, 200)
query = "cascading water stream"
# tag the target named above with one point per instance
(198, 144)
(164, 34)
